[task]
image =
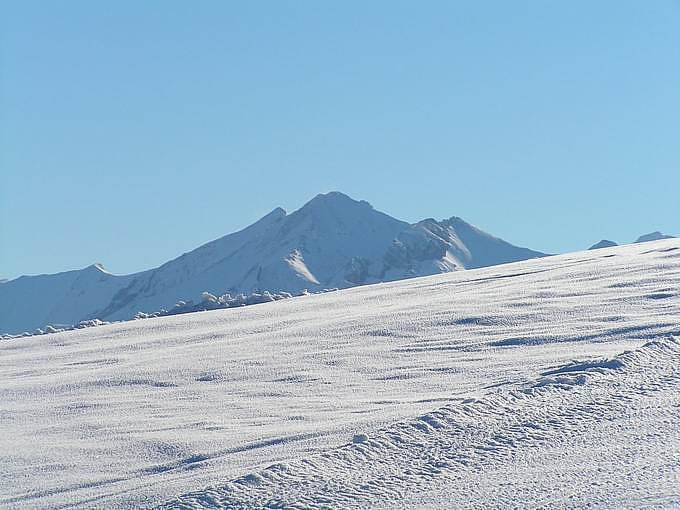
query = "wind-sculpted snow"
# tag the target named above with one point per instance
(448, 451)
(546, 383)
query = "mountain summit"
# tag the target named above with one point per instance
(653, 236)
(333, 241)
(604, 243)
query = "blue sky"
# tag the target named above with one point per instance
(133, 131)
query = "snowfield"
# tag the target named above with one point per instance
(551, 383)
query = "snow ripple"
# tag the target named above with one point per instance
(456, 441)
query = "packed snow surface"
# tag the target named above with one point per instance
(548, 383)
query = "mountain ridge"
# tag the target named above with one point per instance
(332, 241)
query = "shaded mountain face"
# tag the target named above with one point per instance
(333, 241)
(604, 243)
(431, 247)
(653, 236)
(31, 302)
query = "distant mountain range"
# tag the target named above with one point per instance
(333, 241)
(652, 236)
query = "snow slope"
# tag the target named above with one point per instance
(496, 387)
(333, 241)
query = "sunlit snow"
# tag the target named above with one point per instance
(553, 382)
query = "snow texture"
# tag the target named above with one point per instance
(551, 383)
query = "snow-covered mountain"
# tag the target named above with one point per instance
(332, 241)
(604, 243)
(30, 302)
(653, 236)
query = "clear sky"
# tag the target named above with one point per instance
(133, 131)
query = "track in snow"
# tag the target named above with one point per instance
(136, 414)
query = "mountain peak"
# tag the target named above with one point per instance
(335, 199)
(334, 195)
(458, 222)
(277, 213)
(653, 236)
(268, 219)
(97, 267)
(604, 243)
